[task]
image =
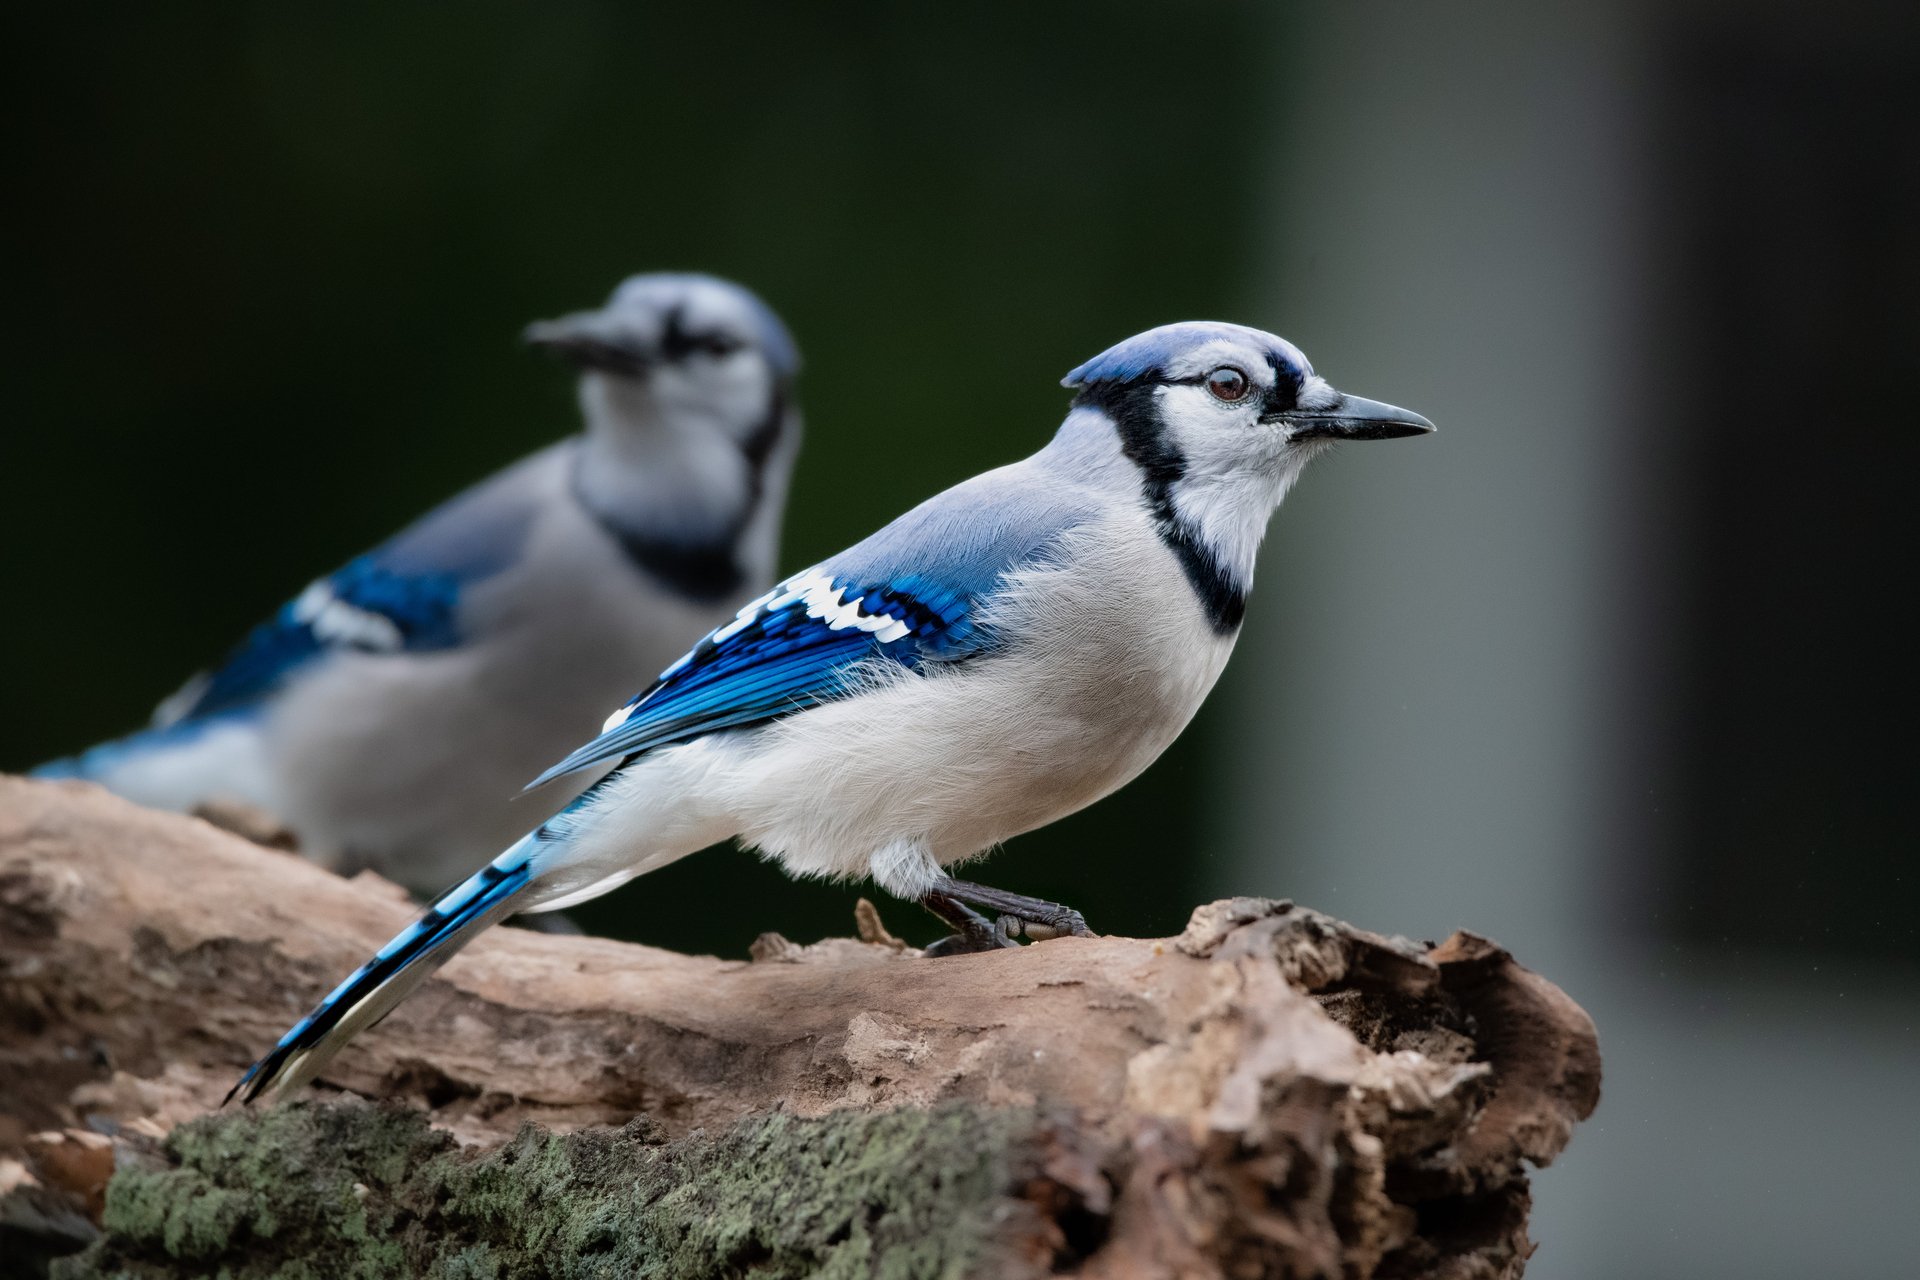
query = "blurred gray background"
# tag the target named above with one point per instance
(1607, 670)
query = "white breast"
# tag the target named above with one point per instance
(1107, 655)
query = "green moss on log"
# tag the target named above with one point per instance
(355, 1189)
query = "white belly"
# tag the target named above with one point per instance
(1104, 664)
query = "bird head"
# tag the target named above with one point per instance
(1219, 420)
(1214, 401)
(685, 352)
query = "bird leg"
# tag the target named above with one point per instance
(976, 932)
(1034, 917)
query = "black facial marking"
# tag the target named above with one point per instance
(677, 341)
(1143, 438)
(705, 568)
(1286, 386)
(760, 441)
(703, 571)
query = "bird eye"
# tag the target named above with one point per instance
(1227, 383)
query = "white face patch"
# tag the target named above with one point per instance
(1316, 395)
(1235, 468)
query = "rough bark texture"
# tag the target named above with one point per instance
(1271, 1093)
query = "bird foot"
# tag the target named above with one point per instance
(1000, 935)
(1064, 923)
(1020, 916)
(976, 935)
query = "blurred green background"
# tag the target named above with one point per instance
(275, 259)
(1608, 669)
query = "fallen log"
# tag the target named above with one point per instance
(1273, 1092)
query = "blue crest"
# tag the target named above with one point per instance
(1147, 355)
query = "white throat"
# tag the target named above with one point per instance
(653, 472)
(1229, 514)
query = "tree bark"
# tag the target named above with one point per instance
(1270, 1093)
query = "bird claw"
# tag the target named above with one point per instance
(1001, 933)
(1020, 916)
(977, 937)
(1067, 924)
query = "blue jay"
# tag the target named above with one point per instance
(1000, 656)
(390, 712)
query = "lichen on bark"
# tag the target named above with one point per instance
(356, 1189)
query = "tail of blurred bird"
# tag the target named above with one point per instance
(175, 765)
(484, 898)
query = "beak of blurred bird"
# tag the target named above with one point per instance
(589, 340)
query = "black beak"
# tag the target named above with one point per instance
(1354, 418)
(586, 341)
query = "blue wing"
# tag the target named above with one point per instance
(404, 596)
(910, 594)
(790, 649)
(362, 606)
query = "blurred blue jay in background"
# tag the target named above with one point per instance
(391, 712)
(1000, 656)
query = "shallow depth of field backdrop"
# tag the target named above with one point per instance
(1605, 670)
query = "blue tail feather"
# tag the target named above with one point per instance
(413, 954)
(55, 770)
(105, 757)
